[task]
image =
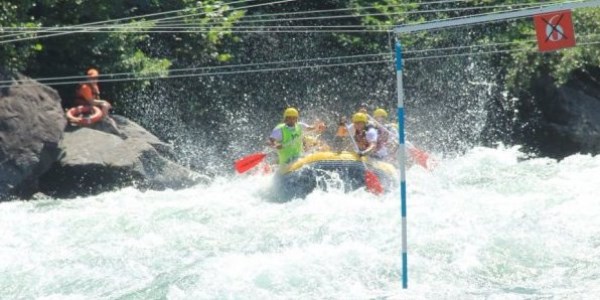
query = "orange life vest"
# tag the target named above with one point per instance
(342, 131)
(86, 93)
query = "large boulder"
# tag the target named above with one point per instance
(31, 126)
(558, 121)
(96, 160)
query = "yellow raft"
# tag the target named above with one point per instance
(331, 170)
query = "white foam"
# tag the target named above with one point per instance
(487, 224)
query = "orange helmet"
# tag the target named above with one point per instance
(92, 73)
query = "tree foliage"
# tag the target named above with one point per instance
(128, 50)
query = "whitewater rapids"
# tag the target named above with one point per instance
(486, 225)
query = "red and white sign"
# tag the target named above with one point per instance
(554, 30)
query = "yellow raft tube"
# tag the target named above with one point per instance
(328, 170)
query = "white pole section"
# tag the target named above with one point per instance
(495, 16)
(402, 163)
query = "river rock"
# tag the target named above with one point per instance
(96, 160)
(31, 126)
(558, 121)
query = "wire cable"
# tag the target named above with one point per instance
(130, 27)
(526, 6)
(83, 77)
(141, 16)
(233, 31)
(265, 29)
(214, 73)
(112, 75)
(486, 14)
(385, 6)
(346, 9)
(6, 84)
(83, 29)
(416, 51)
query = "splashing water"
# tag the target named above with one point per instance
(484, 225)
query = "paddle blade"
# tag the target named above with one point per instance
(419, 156)
(248, 162)
(372, 182)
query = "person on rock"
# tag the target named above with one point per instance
(88, 94)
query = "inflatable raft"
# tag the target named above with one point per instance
(331, 170)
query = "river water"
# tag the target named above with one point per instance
(489, 224)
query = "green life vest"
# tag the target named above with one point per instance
(291, 139)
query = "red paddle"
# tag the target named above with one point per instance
(372, 182)
(419, 156)
(246, 163)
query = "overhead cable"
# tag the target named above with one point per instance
(412, 12)
(50, 29)
(6, 84)
(542, 5)
(111, 75)
(216, 73)
(191, 28)
(82, 29)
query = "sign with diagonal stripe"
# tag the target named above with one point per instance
(554, 30)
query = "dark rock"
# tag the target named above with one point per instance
(95, 161)
(564, 120)
(548, 119)
(134, 131)
(31, 126)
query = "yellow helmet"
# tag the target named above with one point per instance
(360, 117)
(290, 112)
(380, 112)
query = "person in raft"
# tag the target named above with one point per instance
(366, 136)
(363, 108)
(287, 137)
(388, 138)
(387, 132)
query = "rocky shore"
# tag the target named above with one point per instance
(41, 152)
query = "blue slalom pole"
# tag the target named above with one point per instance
(402, 162)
